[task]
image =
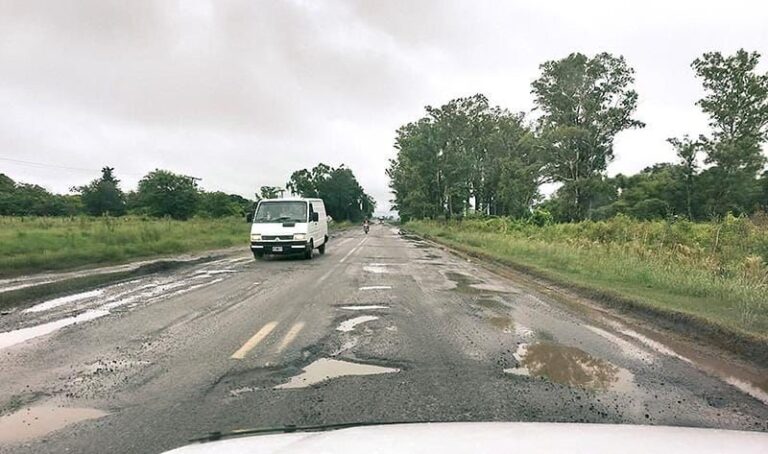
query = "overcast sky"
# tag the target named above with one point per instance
(240, 94)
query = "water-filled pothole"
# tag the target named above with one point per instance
(468, 284)
(504, 323)
(33, 422)
(490, 303)
(349, 325)
(363, 307)
(570, 366)
(18, 336)
(327, 368)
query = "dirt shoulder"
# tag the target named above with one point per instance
(745, 345)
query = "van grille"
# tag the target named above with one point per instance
(277, 237)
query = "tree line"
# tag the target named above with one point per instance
(468, 155)
(162, 193)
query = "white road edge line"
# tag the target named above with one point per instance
(254, 341)
(376, 287)
(352, 251)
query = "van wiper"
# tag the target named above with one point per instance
(290, 428)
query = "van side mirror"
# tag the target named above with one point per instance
(315, 217)
(249, 217)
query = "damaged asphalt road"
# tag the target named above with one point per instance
(382, 327)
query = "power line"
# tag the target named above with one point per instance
(42, 164)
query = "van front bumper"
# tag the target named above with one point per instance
(279, 247)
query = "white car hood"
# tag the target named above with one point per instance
(450, 438)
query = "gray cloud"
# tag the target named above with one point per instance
(241, 93)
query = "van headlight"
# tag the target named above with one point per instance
(255, 237)
(299, 236)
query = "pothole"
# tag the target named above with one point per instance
(377, 269)
(349, 325)
(107, 366)
(468, 284)
(245, 389)
(505, 324)
(327, 368)
(18, 336)
(56, 302)
(490, 303)
(570, 366)
(363, 307)
(33, 422)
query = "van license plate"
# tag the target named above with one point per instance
(277, 249)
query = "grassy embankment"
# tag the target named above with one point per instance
(705, 274)
(33, 244)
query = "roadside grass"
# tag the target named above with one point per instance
(337, 226)
(712, 271)
(35, 244)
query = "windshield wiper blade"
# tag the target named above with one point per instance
(291, 428)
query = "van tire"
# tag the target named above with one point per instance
(309, 251)
(258, 255)
(321, 249)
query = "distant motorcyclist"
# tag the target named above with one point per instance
(366, 225)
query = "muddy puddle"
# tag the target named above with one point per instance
(505, 324)
(18, 336)
(570, 366)
(326, 368)
(56, 302)
(747, 379)
(363, 307)
(349, 325)
(489, 303)
(470, 285)
(34, 422)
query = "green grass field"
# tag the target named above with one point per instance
(714, 271)
(33, 244)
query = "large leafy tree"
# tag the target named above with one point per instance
(163, 193)
(736, 100)
(584, 103)
(269, 192)
(415, 177)
(465, 155)
(103, 195)
(687, 152)
(344, 198)
(218, 204)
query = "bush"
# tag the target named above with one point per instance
(540, 217)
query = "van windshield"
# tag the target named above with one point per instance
(281, 212)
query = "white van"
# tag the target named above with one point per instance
(289, 226)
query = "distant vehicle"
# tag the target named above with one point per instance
(289, 226)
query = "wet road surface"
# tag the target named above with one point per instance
(381, 328)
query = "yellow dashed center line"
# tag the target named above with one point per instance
(290, 336)
(254, 341)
